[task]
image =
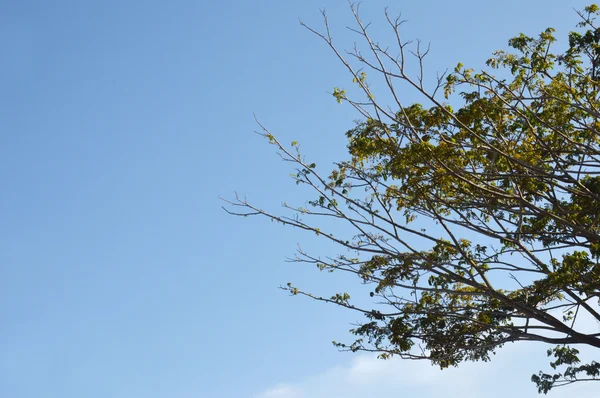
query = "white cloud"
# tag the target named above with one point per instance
(280, 391)
(508, 373)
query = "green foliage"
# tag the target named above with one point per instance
(339, 95)
(565, 356)
(514, 166)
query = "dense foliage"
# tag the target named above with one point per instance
(477, 224)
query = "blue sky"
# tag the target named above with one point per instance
(121, 123)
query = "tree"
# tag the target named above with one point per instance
(475, 215)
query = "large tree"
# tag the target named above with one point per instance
(475, 214)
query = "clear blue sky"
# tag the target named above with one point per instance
(121, 123)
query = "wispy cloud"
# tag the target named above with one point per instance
(508, 373)
(280, 391)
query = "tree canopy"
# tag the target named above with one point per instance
(474, 214)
